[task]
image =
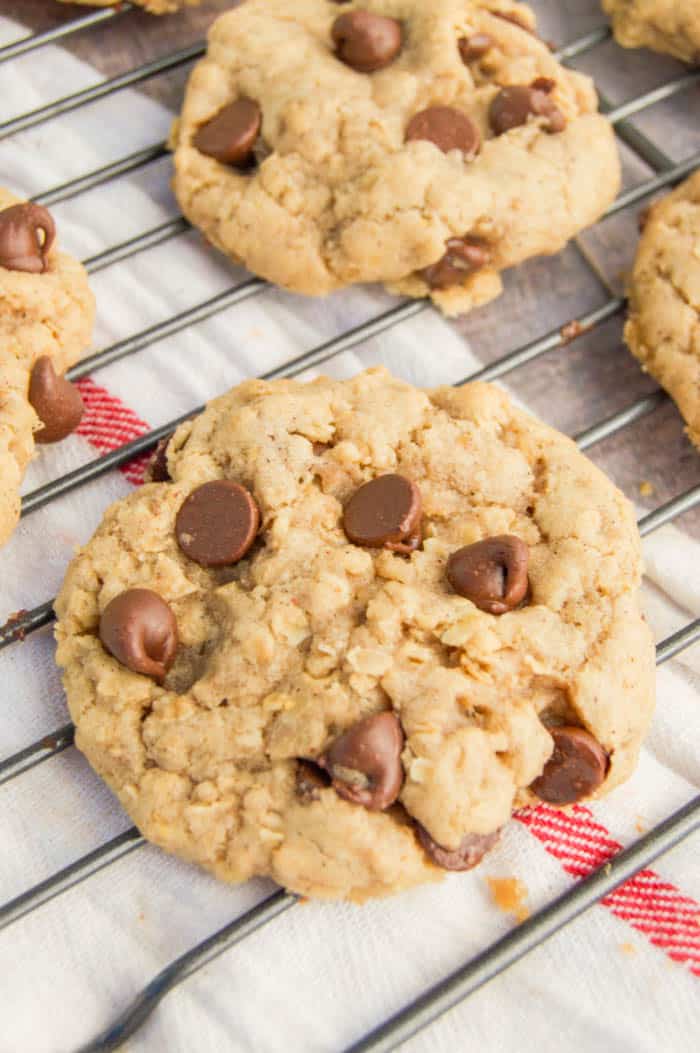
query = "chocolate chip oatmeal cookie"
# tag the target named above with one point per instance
(353, 628)
(663, 328)
(426, 146)
(672, 26)
(46, 316)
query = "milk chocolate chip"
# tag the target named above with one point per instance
(462, 257)
(545, 84)
(365, 41)
(385, 513)
(364, 763)
(491, 573)
(56, 402)
(576, 768)
(139, 629)
(217, 523)
(514, 105)
(309, 781)
(157, 470)
(27, 232)
(446, 127)
(473, 48)
(471, 851)
(231, 135)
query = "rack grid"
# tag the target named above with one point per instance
(476, 972)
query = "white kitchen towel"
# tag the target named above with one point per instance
(623, 978)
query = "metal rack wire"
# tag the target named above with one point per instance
(494, 959)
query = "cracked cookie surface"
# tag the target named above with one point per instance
(671, 26)
(663, 327)
(349, 181)
(310, 636)
(43, 315)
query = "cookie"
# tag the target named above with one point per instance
(663, 326)
(355, 627)
(426, 146)
(46, 317)
(156, 7)
(671, 26)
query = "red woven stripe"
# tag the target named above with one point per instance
(107, 424)
(668, 919)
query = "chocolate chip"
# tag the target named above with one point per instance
(462, 257)
(572, 331)
(446, 127)
(576, 768)
(27, 232)
(385, 513)
(365, 41)
(56, 402)
(231, 135)
(491, 573)
(217, 523)
(471, 851)
(475, 47)
(139, 629)
(514, 105)
(545, 84)
(510, 108)
(157, 470)
(309, 781)
(364, 763)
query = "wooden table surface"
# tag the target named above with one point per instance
(572, 387)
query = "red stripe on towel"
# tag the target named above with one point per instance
(108, 424)
(668, 918)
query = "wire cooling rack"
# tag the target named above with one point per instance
(474, 973)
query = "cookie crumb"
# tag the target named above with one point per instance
(640, 825)
(510, 895)
(12, 627)
(628, 948)
(572, 331)
(646, 489)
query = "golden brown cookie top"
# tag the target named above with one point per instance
(325, 706)
(427, 146)
(671, 26)
(46, 317)
(663, 328)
